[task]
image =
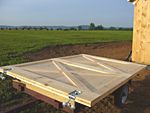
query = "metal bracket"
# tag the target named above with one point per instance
(148, 67)
(2, 75)
(6, 69)
(71, 102)
(129, 58)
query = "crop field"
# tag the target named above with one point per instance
(14, 43)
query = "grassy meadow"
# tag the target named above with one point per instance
(14, 43)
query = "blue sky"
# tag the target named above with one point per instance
(66, 12)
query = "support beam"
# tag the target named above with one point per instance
(19, 86)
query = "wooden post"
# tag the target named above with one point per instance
(141, 34)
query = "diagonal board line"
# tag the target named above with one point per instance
(114, 61)
(92, 60)
(106, 66)
(76, 82)
(109, 60)
(86, 67)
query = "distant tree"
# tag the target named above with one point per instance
(46, 28)
(99, 27)
(1, 28)
(66, 29)
(72, 28)
(29, 28)
(9, 28)
(92, 26)
(59, 29)
(120, 28)
(35, 28)
(127, 29)
(23, 28)
(131, 29)
(79, 27)
(41, 28)
(112, 28)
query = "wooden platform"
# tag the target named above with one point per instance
(95, 77)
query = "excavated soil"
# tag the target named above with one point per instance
(139, 97)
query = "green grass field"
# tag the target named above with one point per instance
(14, 43)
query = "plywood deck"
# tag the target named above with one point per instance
(95, 77)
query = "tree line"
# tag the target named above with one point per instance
(101, 27)
(91, 26)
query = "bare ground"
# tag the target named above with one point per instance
(139, 97)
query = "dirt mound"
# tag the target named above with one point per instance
(117, 50)
(139, 97)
